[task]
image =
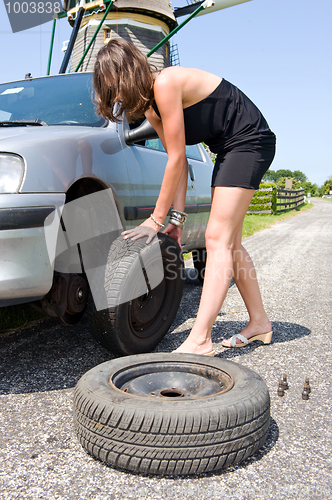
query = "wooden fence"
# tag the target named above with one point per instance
(269, 199)
(288, 199)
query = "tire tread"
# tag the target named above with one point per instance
(107, 325)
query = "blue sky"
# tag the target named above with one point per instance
(277, 51)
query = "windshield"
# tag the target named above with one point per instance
(56, 100)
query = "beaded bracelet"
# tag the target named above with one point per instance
(156, 222)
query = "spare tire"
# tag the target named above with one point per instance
(136, 326)
(171, 413)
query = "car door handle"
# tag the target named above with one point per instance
(191, 172)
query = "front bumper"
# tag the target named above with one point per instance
(26, 272)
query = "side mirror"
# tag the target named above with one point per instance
(142, 133)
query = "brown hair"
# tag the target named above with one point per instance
(122, 75)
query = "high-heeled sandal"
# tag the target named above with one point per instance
(264, 337)
(210, 353)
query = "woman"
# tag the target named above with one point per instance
(187, 106)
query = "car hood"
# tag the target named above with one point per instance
(55, 156)
(21, 137)
(11, 132)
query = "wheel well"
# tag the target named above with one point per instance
(63, 299)
(83, 187)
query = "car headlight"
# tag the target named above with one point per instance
(11, 172)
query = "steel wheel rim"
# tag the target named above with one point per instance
(171, 381)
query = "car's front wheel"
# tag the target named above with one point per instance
(139, 312)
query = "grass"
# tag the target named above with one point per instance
(254, 223)
(13, 317)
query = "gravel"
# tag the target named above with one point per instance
(40, 457)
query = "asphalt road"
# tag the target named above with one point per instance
(40, 457)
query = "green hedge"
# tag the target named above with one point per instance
(261, 200)
(264, 200)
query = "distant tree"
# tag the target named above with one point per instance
(296, 184)
(326, 187)
(299, 176)
(275, 176)
(281, 182)
(313, 189)
(270, 176)
(284, 173)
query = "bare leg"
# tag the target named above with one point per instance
(246, 281)
(229, 206)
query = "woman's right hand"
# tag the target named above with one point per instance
(147, 228)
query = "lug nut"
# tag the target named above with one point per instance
(284, 382)
(281, 390)
(307, 385)
(305, 394)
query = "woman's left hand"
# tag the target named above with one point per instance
(174, 232)
(147, 228)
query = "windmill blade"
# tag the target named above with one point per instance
(214, 5)
(208, 7)
(188, 9)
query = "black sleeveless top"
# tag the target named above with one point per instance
(225, 119)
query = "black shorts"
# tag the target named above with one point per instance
(242, 167)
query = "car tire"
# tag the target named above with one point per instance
(167, 413)
(138, 325)
(199, 260)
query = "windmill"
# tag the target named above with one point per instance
(149, 24)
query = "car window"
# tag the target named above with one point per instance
(154, 144)
(57, 100)
(192, 151)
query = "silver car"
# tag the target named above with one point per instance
(65, 170)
